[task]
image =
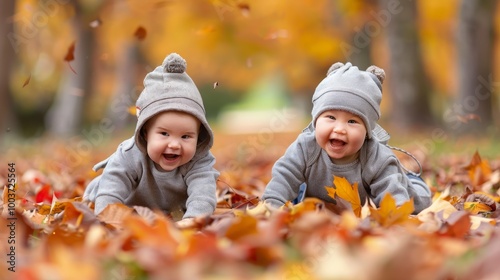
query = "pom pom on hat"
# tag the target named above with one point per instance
(174, 63)
(334, 67)
(378, 72)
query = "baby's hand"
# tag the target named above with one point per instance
(186, 223)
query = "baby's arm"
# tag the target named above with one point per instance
(388, 178)
(116, 183)
(201, 187)
(287, 175)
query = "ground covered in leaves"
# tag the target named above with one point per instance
(48, 233)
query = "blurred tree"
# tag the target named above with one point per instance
(65, 117)
(407, 80)
(473, 111)
(7, 119)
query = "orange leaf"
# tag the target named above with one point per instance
(479, 170)
(140, 33)
(476, 207)
(243, 226)
(389, 214)
(457, 225)
(347, 192)
(159, 234)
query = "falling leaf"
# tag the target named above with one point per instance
(140, 33)
(216, 84)
(27, 81)
(244, 9)
(389, 213)
(70, 56)
(132, 110)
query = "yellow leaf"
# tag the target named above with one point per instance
(389, 214)
(347, 192)
(476, 207)
(331, 191)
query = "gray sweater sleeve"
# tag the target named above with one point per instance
(287, 174)
(383, 174)
(201, 187)
(117, 181)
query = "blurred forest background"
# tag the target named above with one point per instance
(74, 68)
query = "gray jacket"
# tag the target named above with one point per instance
(130, 177)
(377, 172)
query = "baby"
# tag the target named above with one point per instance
(167, 164)
(342, 141)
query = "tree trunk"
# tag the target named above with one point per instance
(473, 111)
(8, 123)
(125, 93)
(406, 77)
(65, 117)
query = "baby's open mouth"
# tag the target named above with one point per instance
(170, 156)
(337, 142)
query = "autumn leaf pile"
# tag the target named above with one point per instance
(59, 237)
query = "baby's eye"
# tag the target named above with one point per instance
(164, 133)
(352, 121)
(186, 136)
(330, 117)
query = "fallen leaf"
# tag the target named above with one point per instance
(389, 213)
(27, 81)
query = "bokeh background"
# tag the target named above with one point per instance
(72, 69)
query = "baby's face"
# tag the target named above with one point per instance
(341, 134)
(171, 139)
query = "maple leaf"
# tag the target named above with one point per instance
(479, 171)
(347, 192)
(389, 214)
(70, 56)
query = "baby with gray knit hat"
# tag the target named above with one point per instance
(167, 164)
(344, 140)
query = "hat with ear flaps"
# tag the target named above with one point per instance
(169, 88)
(349, 89)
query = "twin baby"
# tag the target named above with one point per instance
(168, 165)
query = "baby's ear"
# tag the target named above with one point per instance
(378, 72)
(334, 67)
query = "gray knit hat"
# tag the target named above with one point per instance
(169, 88)
(349, 89)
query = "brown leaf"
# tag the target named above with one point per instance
(347, 192)
(140, 33)
(70, 56)
(27, 81)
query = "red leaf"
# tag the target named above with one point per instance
(44, 194)
(70, 56)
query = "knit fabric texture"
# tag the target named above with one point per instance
(349, 89)
(169, 88)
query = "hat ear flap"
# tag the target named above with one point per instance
(378, 72)
(334, 67)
